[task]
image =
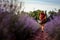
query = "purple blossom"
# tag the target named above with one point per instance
(49, 26)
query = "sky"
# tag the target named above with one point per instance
(31, 5)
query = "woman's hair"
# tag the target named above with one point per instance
(17, 27)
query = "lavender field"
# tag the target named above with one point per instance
(24, 27)
(17, 24)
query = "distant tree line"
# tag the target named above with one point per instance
(35, 14)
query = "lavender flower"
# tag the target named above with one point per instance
(16, 27)
(53, 28)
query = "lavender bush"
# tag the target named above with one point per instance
(53, 28)
(16, 27)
